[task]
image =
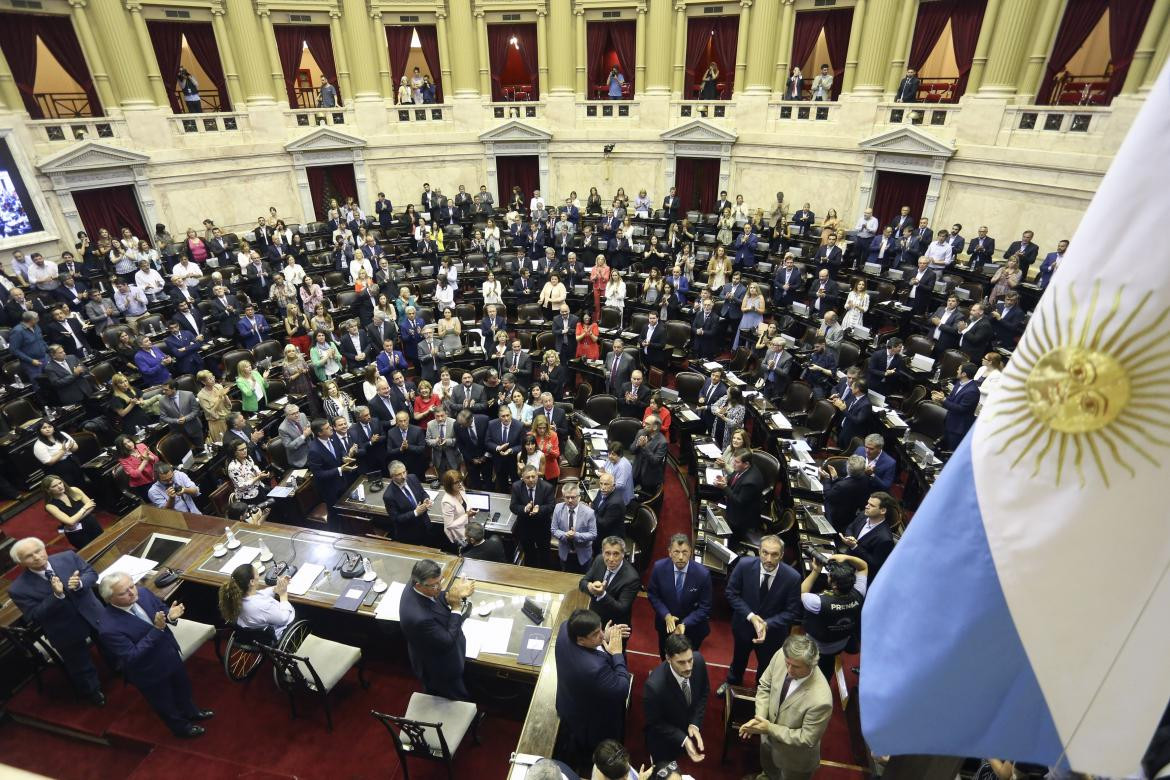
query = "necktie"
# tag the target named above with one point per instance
(608, 574)
(366, 428)
(506, 427)
(767, 584)
(49, 574)
(515, 361)
(679, 577)
(572, 527)
(784, 689)
(409, 495)
(332, 450)
(686, 690)
(140, 613)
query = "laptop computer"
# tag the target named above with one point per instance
(716, 524)
(799, 309)
(873, 269)
(922, 363)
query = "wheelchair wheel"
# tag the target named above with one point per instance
(241, 659)
(290, 642)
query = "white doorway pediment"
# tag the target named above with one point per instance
(699, 131)
(515, 131)
(89, 156)
(907, 140)
(324, 139)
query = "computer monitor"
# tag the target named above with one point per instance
(720, 550)
(160, 547)
(480, 501)
(921, 363)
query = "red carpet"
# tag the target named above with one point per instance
(63, 757)
(163, 762)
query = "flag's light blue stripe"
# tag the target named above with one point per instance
(943, 669)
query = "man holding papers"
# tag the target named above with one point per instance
(432, 622)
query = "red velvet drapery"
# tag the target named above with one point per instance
(167, 40)
(837, 28)
(1080, 17)
(321, 47)
(722, 32)
(18, 41)
(804, 38)
(696, 180)
(895, 190)
(698, 40)
(603, 37)
(966, 21)
(516, 170)
(290, 44)
(428, 39)
(330, 181)
(499, 39)
(724, 43)
(1126, 23)
(398, 43)
(928, 28)
(112, 208)
(201, 39)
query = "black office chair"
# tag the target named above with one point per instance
(688, 384)
(601, 408)
(232, 359)
(623, 429)
(640, 537)
(848, 354)
(928, 424)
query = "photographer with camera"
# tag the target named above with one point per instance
(190, 89)
(832, 618)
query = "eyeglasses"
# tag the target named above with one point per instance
(667, 770)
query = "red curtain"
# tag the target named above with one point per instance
(526, 35)
(290, 46)
(696, 180)
(112, 208)
(398, 42)
(1125, 30)
(428, 38)
(725, 41)
(837, 28)
(61, 41)
(519, 170)
(804, 38)
(499, 39)
(596, 45)
(1080, 17)
(330, 181)
(966, 21)
(895, 190)
(201, 39)
(167, 40)
(928, 28)
(321, 47)
(699, 34)
(622, 35)
(18, 41)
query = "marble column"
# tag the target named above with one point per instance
(158, 81)
(340, 56)
(1042, 37)
(227, 58)
(378, 33)
(877, 33)
(559, 39)
(246, 36)
(741, 44)
(1015, 33)
(10, 99)
(640, 48)
(1159, 58)
(126, 62)
(269, 36)
(1147, 45)
(658, 49)
(581, 60)
(784, 35)
(849, 78)
(465, 55)
(355, 42)
(900, 51)
(442, 30)
(542, 51)
(680, 52)
(987, 31)
(761, 47)
(485, 63)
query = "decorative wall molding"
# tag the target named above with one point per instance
(698, 138)
(515, 131)
(905, 150)
(511, 139)
(329, 146)
(699, 131)
(90, 165)
(907, 140)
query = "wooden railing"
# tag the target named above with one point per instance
(209, 102)
(63, 105)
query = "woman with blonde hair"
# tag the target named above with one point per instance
(1005, 279)
(453, 503)
(425, 402)
(830, 225)
(216, 405)
(739, 441)
(615, 292)
(549, 443)
(599, 279)
(338, 403)
(245, 601)
(252, 384)
(128, 405)
(856, 304)
(298, 377)
(296, 327)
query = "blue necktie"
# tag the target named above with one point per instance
(679, 576)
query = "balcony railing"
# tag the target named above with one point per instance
(56, 130)
(63, 105)
(937, 90)
(209, 102)
(515, 110)
(703, 109)
(1049, 119)
(312, 117)
(428, 112)
(803, 110)
(203, 124)
(607, 110)
(1072, 90)
(917, 114)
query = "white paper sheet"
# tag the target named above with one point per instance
(710, 474)
(709, 449)
(688, 415)
(600, 444)
(304, 578)
(781, 421)
(474, 632)
(243, 555)
(130, 564)
(388, 605)
(496, 636)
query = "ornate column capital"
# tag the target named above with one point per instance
(78, 3)
(745, 3)
(440, 13)
(134, 6)
(262, 9)
(334, 12)
(642, 8)
(217, 9)
(680, 8)
(541, 12)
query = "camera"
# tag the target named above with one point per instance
(817, 556)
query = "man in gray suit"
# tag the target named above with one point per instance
(295, 434)
(466, 395)
(445, 453)
(649, 450)
(179, 409)
(68, 376)
(831, 332)
(618, 367)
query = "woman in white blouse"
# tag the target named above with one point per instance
(444, 293)
(615, 292)
(293, 273)
(246, 476)
(740, 211)
(246, 602)
(491, 239)
(553, 294)
(492, 291)
(453, 503)
(988, 377)
(856, 304)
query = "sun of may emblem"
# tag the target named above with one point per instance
(1089, 385)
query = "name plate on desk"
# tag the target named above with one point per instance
(354, 594)
(534, 645)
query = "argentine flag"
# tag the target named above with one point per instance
(1026, 613)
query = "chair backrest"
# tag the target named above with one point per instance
(611, 318)
(638, 321)
(688, 384)
(277, 388)
(151, 325)
(293, 672)
(769, 466)
(948, 364)
(821, 416)
(920, 345)
(526, 312)
(231, 360)
(641, 532)
(270, 348)
(929, 420)
(912, 401)
(172, 448)
(410, 738)
(678, 334)
(848, 354)
(88, 446)
(739, 360)
(584, 392)
(546, 339)
(334, 279)
(19, 412)
(33, 646)
(277, 456)
(103, 372)
(623, 429)
(602, 408)
(796, 398)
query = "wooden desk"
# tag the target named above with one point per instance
(357, 514)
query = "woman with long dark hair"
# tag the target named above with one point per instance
(137, 461)
(245, 601)
(73, 509)
(57, 452)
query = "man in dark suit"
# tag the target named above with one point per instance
(592, 682)
(869, 536)
(649, 450)
(787, 283)
(680, 592)
(921, 286)
(945, 332)
(184, 346)
(68, 376)
(381, 329)
(557, 419)
(355, 346)
(880, 467)
(533, 501)
(493, 321)
(981, 248)
(611, 583)
(66, 330)
(470, 437)
(712, 390)
(407, 505)
(252, 328)
(505, 437)
(1008, 320)
(518, 362)
(635, 396)
(432, 621)
(217, 246)
(189, 318)
(618, 368)
(370, 436)
(564, 327)
(907, 91)
(722, 203)
(960, 406)
(858, 419)
(1025, 251)
(743, 492)
(408, 443)
(975, 337)
(481, 547)
(884, 365)
(675, 703)
(829, 256)
(276, 252)
(259, 277)
(609, 510)
(901, 222)
(731, 310)
(670, 206)
(330, 466)
(822, 293)
(56, 593)
(705, 330)
(135, 631)
(883, 249)
(652, 342)
(764, 594)
(845, 494)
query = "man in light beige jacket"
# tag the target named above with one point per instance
(793, 705)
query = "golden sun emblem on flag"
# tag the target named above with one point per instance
(1079, 387)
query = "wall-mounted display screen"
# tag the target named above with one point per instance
(18, 216)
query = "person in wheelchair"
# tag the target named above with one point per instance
(245, 601)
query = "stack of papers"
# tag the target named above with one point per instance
(710, 474)
(711, 365)
(487, 636)
(130, 564)
(388, 605)
(304, 578)
(709, 450)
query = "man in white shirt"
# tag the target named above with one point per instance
(192, 274)
(149, 281)
(537, 202)
(42, 274)
(940, 253)
(866, 229)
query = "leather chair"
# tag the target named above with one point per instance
(191, 636)
(848, 354)
(920, 345)
(232, 359)
(269, 348)
(948, 364)
(172, 448)
(688, 384)
(611, 319)
(623, 429)
(796, 400)
(526, 312)
(602, 408)
(818, 424)
(640, 536)
(927, 425)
